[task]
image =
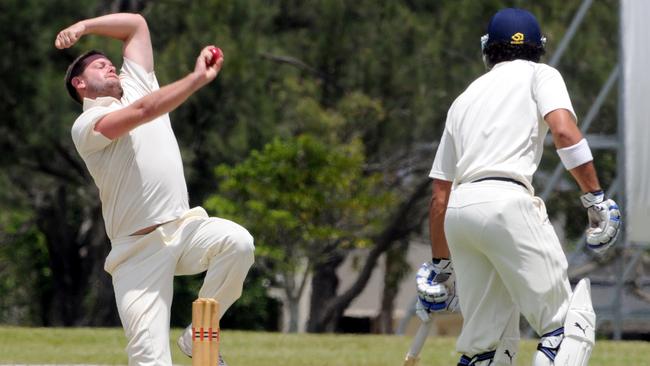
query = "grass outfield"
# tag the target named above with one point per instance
(106, 346)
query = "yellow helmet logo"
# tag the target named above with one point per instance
(517, 38)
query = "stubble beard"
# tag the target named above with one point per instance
(110, 88)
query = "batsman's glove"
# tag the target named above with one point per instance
(604, 221)
(435, 282)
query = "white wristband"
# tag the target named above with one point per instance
(575, 155)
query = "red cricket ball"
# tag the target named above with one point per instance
(216, 54)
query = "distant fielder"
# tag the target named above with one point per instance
(507, 258)
(125, 137)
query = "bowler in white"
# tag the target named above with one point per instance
(126, 140)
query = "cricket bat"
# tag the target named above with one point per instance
(417, 343)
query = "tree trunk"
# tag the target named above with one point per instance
(76, 253)
(326, 308)
(396, 268)
(294, 313)
(102, 310)
(324, 284)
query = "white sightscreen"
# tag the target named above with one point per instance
(635, 38)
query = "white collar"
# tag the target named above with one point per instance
(98, 102)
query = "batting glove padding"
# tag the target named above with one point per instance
(436, 288)
(604, 221)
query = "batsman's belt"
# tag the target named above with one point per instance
(503, 179)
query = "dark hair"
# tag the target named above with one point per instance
(76, 68)
(504, 51)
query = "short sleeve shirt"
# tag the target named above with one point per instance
(139, 175)
(496, 127)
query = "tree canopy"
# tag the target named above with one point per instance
(338, 104)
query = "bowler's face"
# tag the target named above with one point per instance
(101, 68)
(100, 79)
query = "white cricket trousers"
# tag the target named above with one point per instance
(508, 260)
(143, 268)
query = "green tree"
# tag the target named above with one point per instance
(304, 201)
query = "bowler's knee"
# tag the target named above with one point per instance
(242, 245)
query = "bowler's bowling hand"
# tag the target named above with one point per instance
(205, 68)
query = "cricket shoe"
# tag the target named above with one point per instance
(185, 344)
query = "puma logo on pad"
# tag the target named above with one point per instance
(584, 330)
(510, 356)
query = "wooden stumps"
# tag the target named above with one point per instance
(205, 332)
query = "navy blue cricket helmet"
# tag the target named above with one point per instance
(513, 26)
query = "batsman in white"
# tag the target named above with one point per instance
(125, 137)
(506, 255)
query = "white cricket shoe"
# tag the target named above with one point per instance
(185, 344)
(185, 341)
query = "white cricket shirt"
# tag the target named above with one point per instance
(139, 175)
(496, 127)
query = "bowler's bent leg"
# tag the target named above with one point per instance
(223, 248)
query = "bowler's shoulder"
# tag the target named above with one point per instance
(136, 80)
(86, 116)
(93, 111)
